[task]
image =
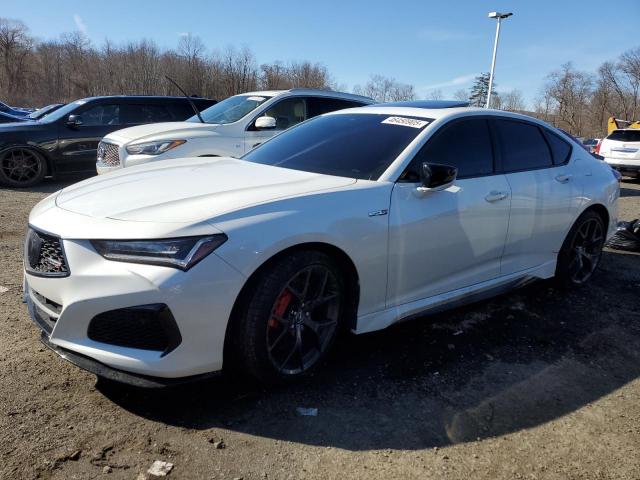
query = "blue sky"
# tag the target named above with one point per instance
(430, 44)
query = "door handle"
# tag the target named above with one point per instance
(256, 144)
(563, 178)
(495, 196)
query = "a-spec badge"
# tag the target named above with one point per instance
(378, 213)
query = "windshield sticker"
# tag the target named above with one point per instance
(256, 99)
(406, 122)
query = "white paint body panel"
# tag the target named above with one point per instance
(416, 252)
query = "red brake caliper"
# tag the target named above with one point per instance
(280, 307)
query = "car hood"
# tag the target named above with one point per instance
(19, 126)
(189, 189)
(165, 130)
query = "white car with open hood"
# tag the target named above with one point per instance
(353, 220)
(230, 128)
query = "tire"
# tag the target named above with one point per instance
(283, 329)
(581, 251)
(21, 167)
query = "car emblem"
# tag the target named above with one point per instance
(100, 152)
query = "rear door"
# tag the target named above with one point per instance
(78, 144)
(446, 240)
(542, 189)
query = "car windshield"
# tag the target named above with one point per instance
(230, 110)
(348, 145)
(42, 112)
(62, 112)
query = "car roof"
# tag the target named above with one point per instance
(427, 104)
(313, 91)
(437, 113)
(142, 97)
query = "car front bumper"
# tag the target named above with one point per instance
(200, 300)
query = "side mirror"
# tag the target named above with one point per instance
(265, 123)
(74, 120)
(435, 176)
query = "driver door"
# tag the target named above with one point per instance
(445, 240)
(79, 143)
(287, 113)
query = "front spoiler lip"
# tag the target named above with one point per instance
(120, 376)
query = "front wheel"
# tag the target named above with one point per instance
(581, 251)
(21, 167)
(290, 317)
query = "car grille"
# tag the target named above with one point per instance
(108, 154)
(44, 255)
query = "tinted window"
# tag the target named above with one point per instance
(464, 144)
(522, 146)
(318, 105)
(348, 145)
(625, 135)
(148, 114)
(287, 113)
(101, 115)
(560, 149)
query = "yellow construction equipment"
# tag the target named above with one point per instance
(615, 124)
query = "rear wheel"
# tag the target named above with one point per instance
(291, 316)
(21, 167)
(581, 251)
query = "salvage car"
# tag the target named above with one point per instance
(229, 128)
(65, 141)
(354, 220)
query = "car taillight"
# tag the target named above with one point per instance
(597, 149)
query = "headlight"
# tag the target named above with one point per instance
(153, 148)
(182, 253)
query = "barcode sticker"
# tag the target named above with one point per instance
(406, 122)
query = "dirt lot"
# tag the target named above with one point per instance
(534, 384)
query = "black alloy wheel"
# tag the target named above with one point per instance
(289, 316)
(582, 250)
(21, 167)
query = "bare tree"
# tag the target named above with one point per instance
(435, 94)
(512, 101)
(15, 47)
(385, 89)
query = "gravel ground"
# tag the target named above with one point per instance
(534, 384)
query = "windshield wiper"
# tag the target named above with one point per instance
(193, 105)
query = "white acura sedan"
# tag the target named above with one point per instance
(353, 220)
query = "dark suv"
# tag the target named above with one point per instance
(65, 141)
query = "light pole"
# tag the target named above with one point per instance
(499, 16)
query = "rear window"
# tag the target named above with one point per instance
(348, 145)
(319, 105)
(625, 135)
(560, 149)
(522, 146)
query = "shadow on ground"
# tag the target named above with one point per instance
(50, 185)
(488, 369)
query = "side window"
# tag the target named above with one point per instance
(287, 113)
(560, 149)
(522, 146)
(182, 111)
(319, 105)
(464, 144)
(147, 113)
(101, 115)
